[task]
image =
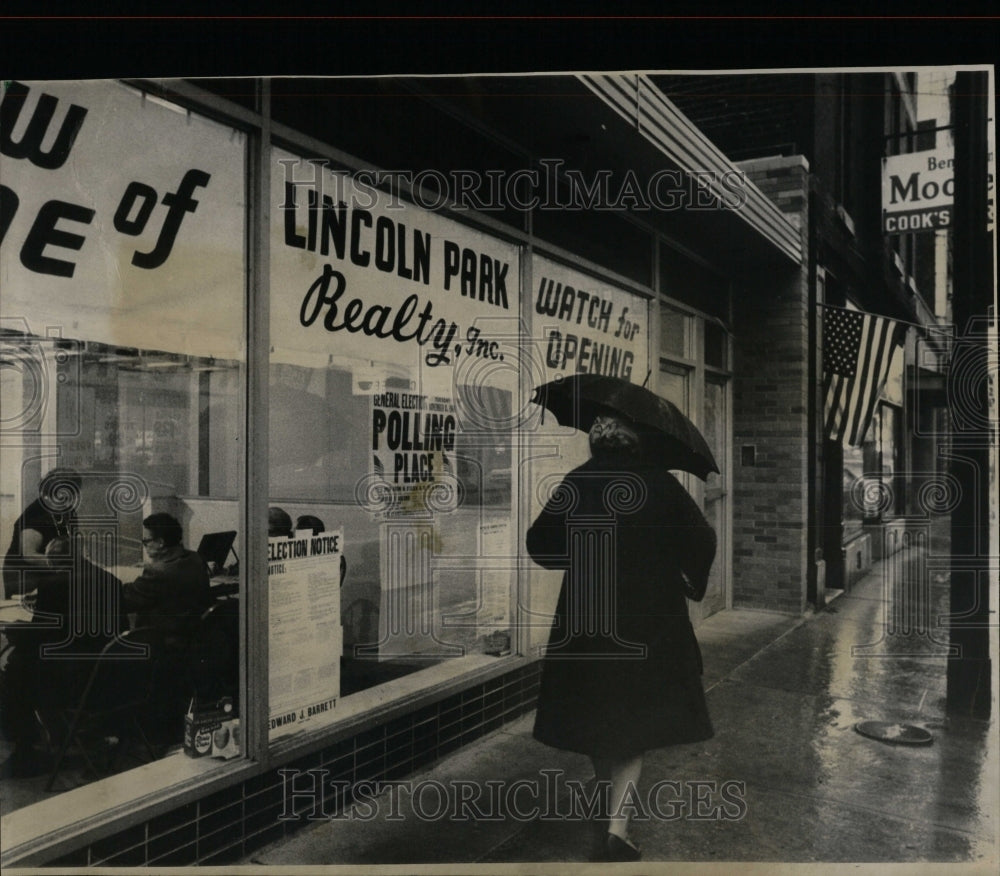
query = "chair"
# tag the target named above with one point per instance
(5, 653)
(214, 664)
(118, 693)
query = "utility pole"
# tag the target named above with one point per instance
(970, 671)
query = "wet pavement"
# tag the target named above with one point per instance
(786, 777)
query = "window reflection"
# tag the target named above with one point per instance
(420, 486)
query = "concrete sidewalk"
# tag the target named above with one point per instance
(786, 777)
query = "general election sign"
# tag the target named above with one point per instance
(413, 443)
(918, 190)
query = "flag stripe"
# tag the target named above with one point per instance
(869, 388)
(887, 349)
(863, 382)
(880, 372)
(835, 411)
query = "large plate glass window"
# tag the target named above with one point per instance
(123, 269)
(393, 390)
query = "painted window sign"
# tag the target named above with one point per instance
(587, 326)
(359, 268)
(121, 217)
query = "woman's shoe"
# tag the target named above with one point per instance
(599, 833)
(618, 849)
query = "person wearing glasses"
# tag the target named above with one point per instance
(173, 589)
(169, 596)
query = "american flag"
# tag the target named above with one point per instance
(858, 351)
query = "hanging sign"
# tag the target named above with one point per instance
(918, 190)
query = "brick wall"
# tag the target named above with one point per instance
(770, 413)
(223, 827)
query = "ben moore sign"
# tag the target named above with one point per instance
(918, 190)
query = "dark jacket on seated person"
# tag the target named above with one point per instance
(170, 594)
(77, 611)
(81, 606)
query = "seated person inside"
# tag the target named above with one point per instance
(279, 523)
(169, 597)
(77, 611)
(173, 589)
(310, 522)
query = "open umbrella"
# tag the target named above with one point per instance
(578, 399)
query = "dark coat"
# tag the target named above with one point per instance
(77, 612)
(170, 594)
(616, 683)
(17, 576)
(89, 617)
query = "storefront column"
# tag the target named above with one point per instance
(253, 511)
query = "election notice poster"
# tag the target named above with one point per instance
(306, 638)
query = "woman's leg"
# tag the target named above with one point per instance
(624, 776)
(602, 781)
(602, 768)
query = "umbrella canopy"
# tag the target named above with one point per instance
(676, 441)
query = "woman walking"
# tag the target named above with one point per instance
(622, 671)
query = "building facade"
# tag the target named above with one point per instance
(336, 297)
(816, 145)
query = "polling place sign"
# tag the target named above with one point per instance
(413, 444)
(918, 190)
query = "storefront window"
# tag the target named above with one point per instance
(716, 345)
(579, 325)
(123, 267)
(674, 327)
(890, 448)
(393, 394)
(863, 495)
